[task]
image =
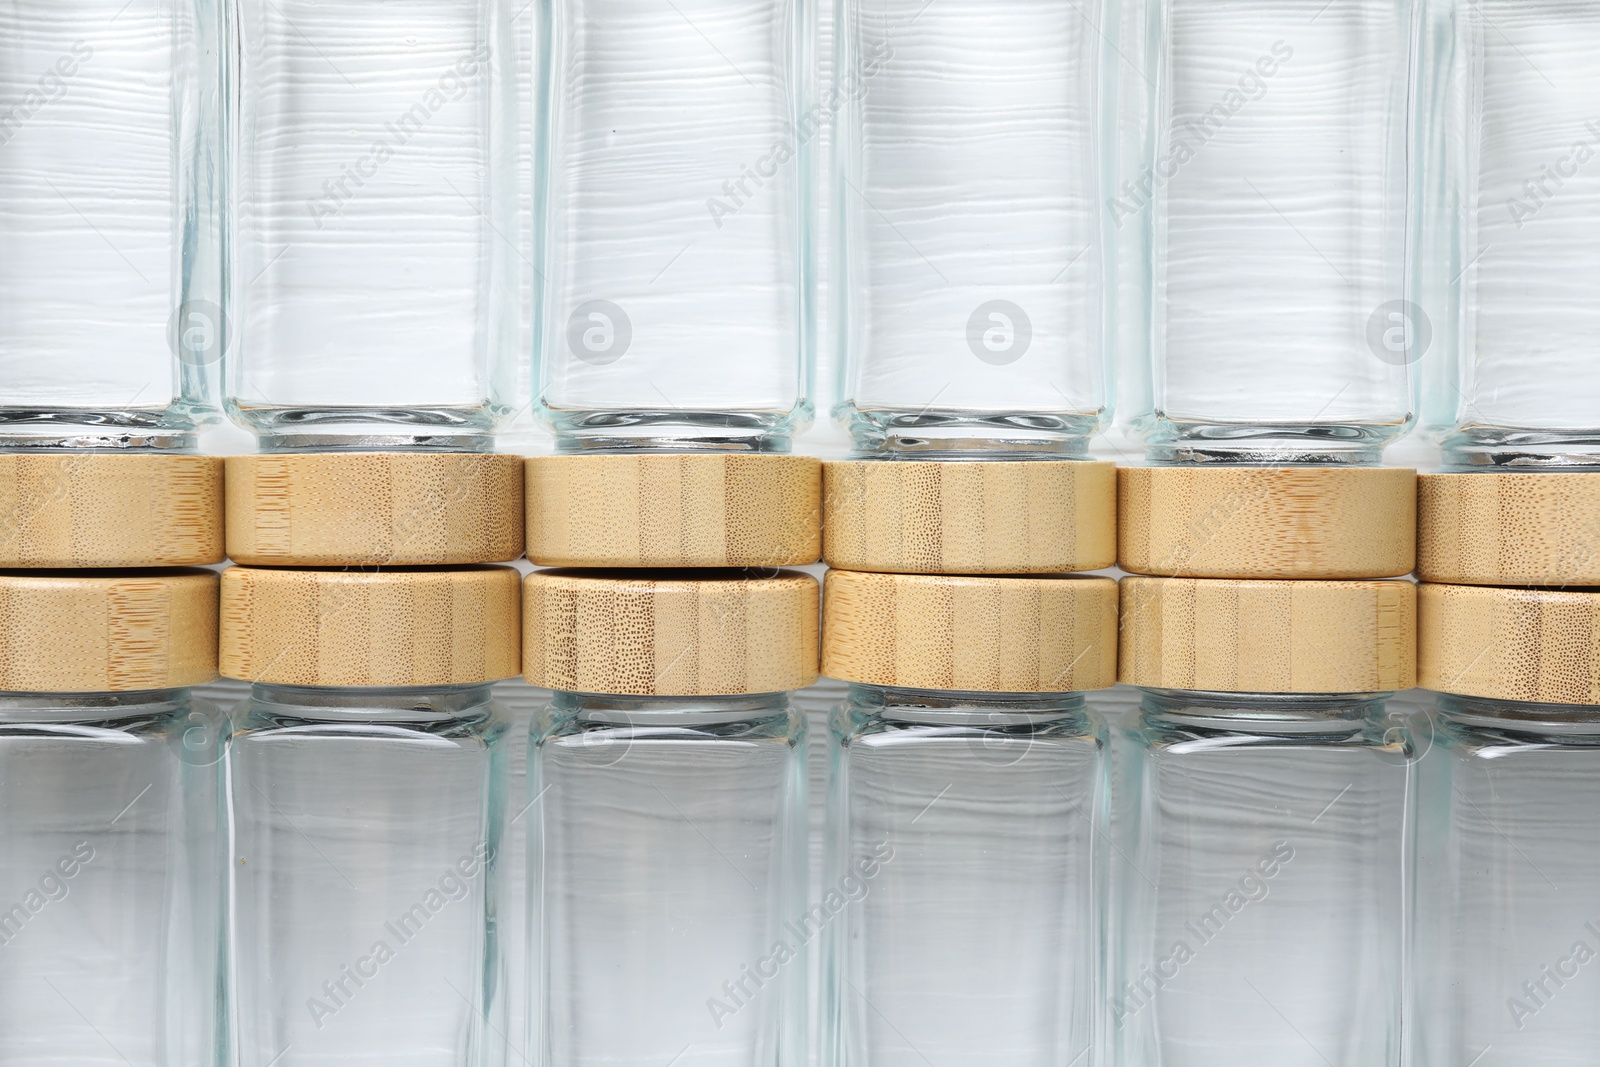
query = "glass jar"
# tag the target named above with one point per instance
(374, 275)
(668, 881)
(1509, 870)
(111, 325)
(108, 915)
(1264, 901)
(961, 896)
(671, 150)
(1264, 200)
(971, 294)
(365, 833)
(1510, 231)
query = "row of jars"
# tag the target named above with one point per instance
(342, 873)
(322, 218)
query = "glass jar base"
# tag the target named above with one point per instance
(370, 429)
(954, 434)
(673, 431)
(92, 430)
(1173, 441)
(1484, 449)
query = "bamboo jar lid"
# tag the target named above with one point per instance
(107, 632)
(1494, 528)
(1254, 636)
(1267, 522)
(698, 633)
(99, 509)
(1538, 645)
(971, 634)
(1016, 517)
(674, 510)
(374, 508)
(433, 626)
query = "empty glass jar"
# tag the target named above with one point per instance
(1268, 873)
(1509, 871)
(672, 148)
(111, 325)
(970, 283)
(1263, 197)
(960, 897)
(364, 841)
(373, 270)
(1511, 231)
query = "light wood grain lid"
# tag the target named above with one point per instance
(1259, 636)
(1018, 517)
(428, 626)
(1267, 522)
(110, 510)
(701, 510)
(970, 634)
(331, 509)
(107, 632)
(694, 633)
(1510, 644)
(1497, 528)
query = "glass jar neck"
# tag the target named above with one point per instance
(1263, 713)
(635, 711)
(430, 703)
(91, 707)
(1576, 723)
(959, 708)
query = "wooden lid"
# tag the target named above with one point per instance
(970, 634)
(1510, 644)
(1267, 522)
(1016, 517)
(98, 509)
(674, 510)
(1496, 528)
(432, 626)
(329, 509)
(1255, 636)
(700, 633)
(107, 632)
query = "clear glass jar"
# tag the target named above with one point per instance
(1509, 867)
(671, 154)
(971, 276)
(1511, 232)
(374, 274)
(1265, 195)
(365, 833)
(1264, 902)
(961, 899)
(667, 879)
(108, 911)
(111, 325)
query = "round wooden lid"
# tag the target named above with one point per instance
(107, 631)
(99, 509)
(1015, 517)
(696, 633)
(674, 510)
(428, 626)
(1267, 522)
(970, 634)
(1495, 528)
(329, 509)
(1257, 636)
(1538, 645)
